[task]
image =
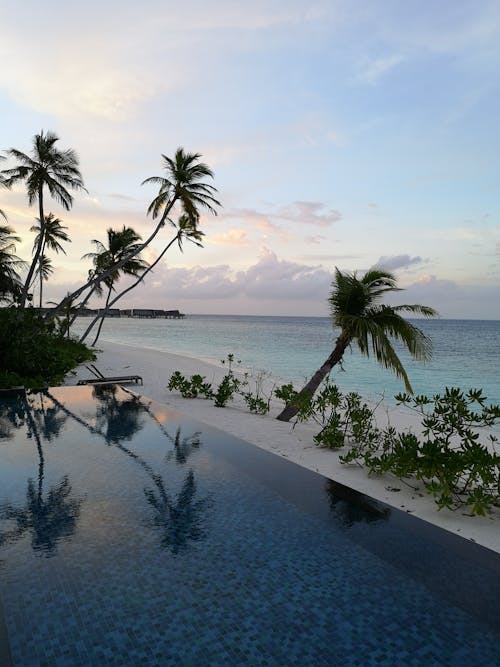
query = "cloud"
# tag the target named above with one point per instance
(394, 262)
(298, 213)
(373, 71)
(308, 212)
(314, 129)
(234, 237)
(269, 278)
(317, 239)
(272, 278)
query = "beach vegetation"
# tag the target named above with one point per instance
(228, 388)
(450, 459)
(33, 351)
(356, 309)
(10, 266)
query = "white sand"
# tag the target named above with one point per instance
(283, 439)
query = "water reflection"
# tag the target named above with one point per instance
(117, 419)
(49, 516)
(119, 415)
(48, 519)
(351, 507)
(183, 447)
(180, 520)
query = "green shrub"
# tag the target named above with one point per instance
(33, 353)
(453, 465)
(229, 386)
(192, 388)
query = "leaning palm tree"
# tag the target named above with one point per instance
(121, 243)
(357, 311)
(10, 265)
(186, 230)
(46, 167)
(182, 185)
(53, 235)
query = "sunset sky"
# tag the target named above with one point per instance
(345, 133)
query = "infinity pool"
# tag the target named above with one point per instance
(131, 534)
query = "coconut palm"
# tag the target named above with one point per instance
(10, 265)
(181, 185)
(357, 311)
(45, 269)
(54, 233)
(121, 243)
(186, 230)
(46, 167)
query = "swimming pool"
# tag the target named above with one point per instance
(133, 535)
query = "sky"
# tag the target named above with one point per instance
(345, 134)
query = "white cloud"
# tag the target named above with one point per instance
(297, 213)
(233, 237)
(394, 262)
(373, 71)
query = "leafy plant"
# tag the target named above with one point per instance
(32, 353)
(230, 385)
(192, 388)
(456, 468)
(343, 418)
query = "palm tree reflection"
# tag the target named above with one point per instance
(117, 420)
(180, 520)
(183, 447)
(351, 507)
(48, 519)
(53, 516)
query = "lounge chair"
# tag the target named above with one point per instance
(99, 378)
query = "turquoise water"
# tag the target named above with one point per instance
(465, 352)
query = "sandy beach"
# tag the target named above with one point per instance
(283, 439)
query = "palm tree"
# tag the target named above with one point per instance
(54, 233)
(47, 167)
(186, 230)
(45, 269)
(10, 265)
(356, 310)
(182, 185)
(121, 243)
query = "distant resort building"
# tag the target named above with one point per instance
(127, 312)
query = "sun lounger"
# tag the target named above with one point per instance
(99, 378)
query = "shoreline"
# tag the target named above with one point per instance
(283, 439)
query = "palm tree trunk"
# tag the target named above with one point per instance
(36, 436)
(310, 387)
(83, 303)
(106, 307)
(29, 277)
(130, 287)
(74, 295)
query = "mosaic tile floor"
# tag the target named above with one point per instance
(128, 538)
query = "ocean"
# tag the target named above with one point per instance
(466, 353)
